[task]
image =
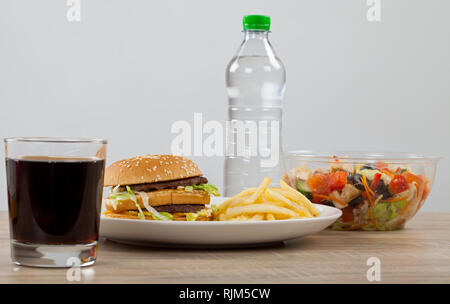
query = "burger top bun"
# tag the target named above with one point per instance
(149, 169)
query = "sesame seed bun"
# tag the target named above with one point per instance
(150, 169)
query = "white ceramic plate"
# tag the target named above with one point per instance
(215, 233)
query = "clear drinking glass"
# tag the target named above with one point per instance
(54, 199)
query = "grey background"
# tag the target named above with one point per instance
(131, 68)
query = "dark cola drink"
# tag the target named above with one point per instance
(55, 187)
(54, 200)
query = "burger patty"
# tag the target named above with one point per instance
(173, 184)
(179, 208)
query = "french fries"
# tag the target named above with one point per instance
(266, 204)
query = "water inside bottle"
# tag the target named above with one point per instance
(255, 87)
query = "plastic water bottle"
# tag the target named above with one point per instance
(255, 80)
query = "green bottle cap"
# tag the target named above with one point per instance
(256, 22)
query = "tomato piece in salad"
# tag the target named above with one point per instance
(375, 182)
(316, 200)
(318, 183)
(347, 214)
(337, 180)
(398, 184)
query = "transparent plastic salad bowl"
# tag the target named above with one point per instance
(375, 191)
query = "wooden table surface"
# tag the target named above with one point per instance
(420, 253)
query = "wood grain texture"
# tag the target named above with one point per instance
(418, 254)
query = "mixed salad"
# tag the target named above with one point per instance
(372, 196)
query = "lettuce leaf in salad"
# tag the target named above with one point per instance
(386, 214)
(401, 171)
(370, 174)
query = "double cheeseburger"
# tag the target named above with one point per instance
(157, 187)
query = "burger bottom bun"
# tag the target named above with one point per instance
(129, 216)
